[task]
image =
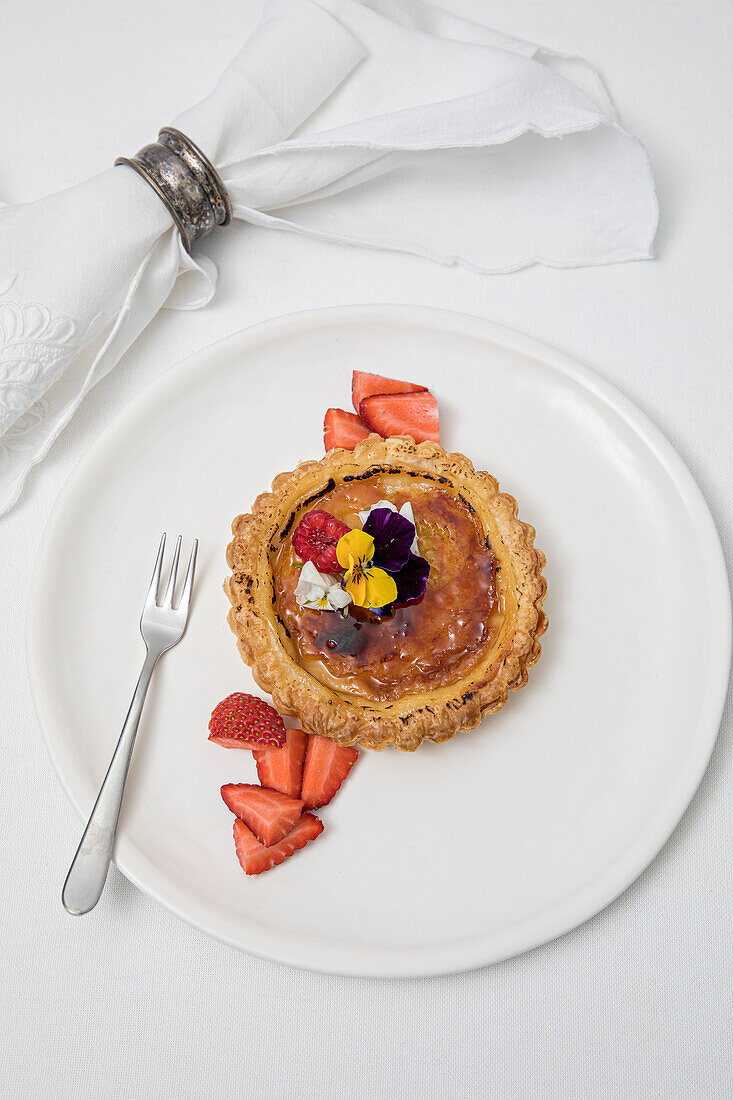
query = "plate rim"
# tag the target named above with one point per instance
(457, 955)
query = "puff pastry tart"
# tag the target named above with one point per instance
(442, 652)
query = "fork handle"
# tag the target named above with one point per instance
(88, 872)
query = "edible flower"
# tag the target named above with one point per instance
(412, 579)
(367, 584)
(394, 537)
(320, 591)
(405, 510)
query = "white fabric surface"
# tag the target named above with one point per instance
(428, 135)
(131, 1003)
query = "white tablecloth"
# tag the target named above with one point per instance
(130, 1002)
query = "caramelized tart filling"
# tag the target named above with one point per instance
(431, 643)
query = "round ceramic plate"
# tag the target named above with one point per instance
(462, 853)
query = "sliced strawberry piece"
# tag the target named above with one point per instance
(364, 385)
(343, 429)
(256, 858)
(239, 742)
(269, 814)
(244, 721)
(282, 769)
(414, 414)
(326, 766)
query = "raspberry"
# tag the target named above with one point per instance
(315, 540)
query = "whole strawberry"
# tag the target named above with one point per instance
(315, 540)
(245, 722)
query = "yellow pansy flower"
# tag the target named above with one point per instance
(367, 586)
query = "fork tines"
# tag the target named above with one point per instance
(154, 590)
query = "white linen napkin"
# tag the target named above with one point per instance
(388, 124)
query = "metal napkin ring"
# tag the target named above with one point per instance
(186, 181)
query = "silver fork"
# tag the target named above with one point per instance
(161, 625)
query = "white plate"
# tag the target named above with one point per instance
(460, 854)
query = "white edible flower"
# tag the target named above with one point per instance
(405, 510)
(320, 591)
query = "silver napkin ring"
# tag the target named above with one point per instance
(186, 181)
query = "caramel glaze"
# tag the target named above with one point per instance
(422, 645)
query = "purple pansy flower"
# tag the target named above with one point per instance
(393, 536)
(412, 579)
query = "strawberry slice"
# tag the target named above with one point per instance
(343, 429)
(269, 814)
(326, 766)
(243, 721)
(256, 858)
(414, 414)
(282, 769)
(364, 385)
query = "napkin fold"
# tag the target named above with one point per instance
(388, 124)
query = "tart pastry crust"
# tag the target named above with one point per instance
(435, 714)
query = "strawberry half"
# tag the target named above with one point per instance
(326, 766)
(256, 858)
(269, 814)
(364, 385)
(245, 722)
(414, 414)
(282, 769)
(343, 429)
